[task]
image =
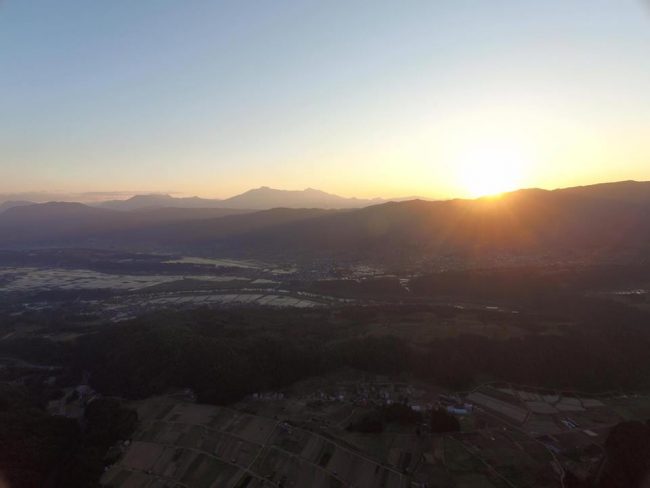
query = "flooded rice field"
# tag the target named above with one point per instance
(32, 279)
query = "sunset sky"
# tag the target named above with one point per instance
(436, 98)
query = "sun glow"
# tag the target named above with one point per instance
(491, 168)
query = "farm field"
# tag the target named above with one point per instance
(299, 437)
(119, 297)
(206, 446)
(30, 279)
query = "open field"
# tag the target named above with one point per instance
(31, 279)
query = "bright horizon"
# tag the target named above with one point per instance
(361, 99)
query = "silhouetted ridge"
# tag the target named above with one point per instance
(599, 220)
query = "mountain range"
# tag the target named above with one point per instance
(262, 198)
(591, 222)
(259, 199)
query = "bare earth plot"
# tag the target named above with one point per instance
(565, 430)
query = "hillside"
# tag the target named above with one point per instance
(145, 202)
(66, 223)
(13, 203)
(527, 221)
(569, 223)
(217, 233)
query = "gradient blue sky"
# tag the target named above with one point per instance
(362, 98)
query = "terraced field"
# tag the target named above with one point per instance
(189, 445)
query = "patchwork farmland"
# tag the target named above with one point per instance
(511, 437)
(184, 444)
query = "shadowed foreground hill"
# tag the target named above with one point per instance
(221, 232)
(62, 223)
(13, 203)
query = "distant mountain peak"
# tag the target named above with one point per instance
(158, 200)
(152, 195)
(266, 197)
(51, 209)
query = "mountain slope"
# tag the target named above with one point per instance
(144, 202)
(566, 223)
(13, 203)
(622, 191)
(214, 233)
(59, 223)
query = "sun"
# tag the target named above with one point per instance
(491, 168)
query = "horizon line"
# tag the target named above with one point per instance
(386, 199)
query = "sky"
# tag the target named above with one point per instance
(439, 98)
